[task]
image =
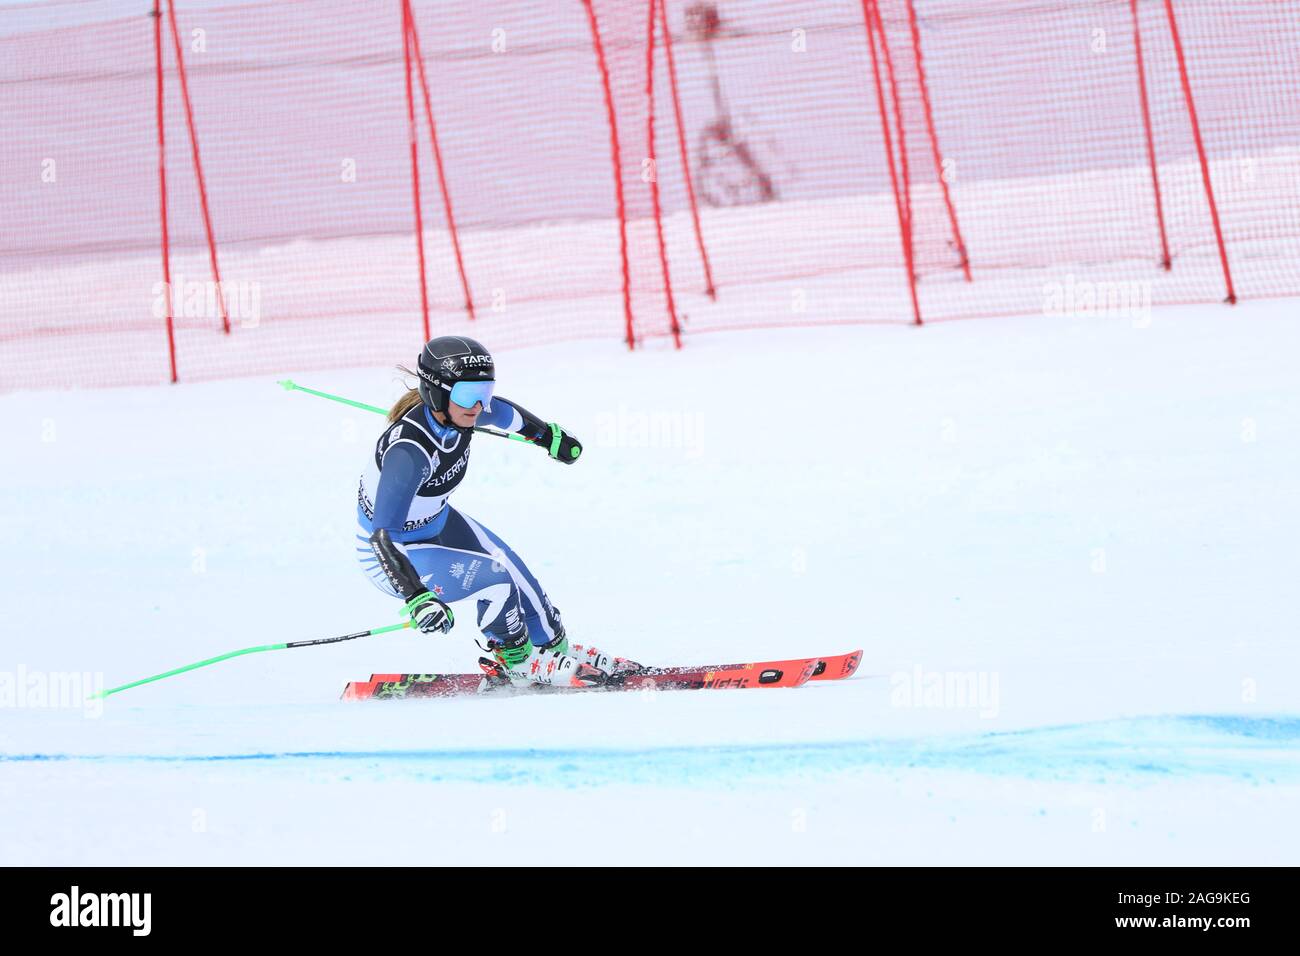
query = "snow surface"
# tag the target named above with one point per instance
(1089, 524)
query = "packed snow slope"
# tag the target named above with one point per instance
(1066, 546)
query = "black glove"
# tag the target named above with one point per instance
(430, 614)
(560, 445)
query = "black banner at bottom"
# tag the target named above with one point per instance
(749, 906)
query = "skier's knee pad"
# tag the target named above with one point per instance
(502, 618)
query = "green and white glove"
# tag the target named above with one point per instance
(429, 614)
(560, 445)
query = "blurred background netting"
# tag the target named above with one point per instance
(778, 162)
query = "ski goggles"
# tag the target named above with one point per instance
(469, 394)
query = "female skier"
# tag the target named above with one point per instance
(416, 546)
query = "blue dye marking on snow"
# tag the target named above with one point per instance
(1255, 749)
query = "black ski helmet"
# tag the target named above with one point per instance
(449, 359)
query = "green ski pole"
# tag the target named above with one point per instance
(289, 386)
(248, 650)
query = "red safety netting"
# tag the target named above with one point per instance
(630, 169)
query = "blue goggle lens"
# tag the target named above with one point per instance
(469, 394)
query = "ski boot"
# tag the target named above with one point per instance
(616, 669)
(558, 664)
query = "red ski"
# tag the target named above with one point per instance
(790, 673)
(401, 686)
(838, 667)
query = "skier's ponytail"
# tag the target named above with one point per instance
(407, 401)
